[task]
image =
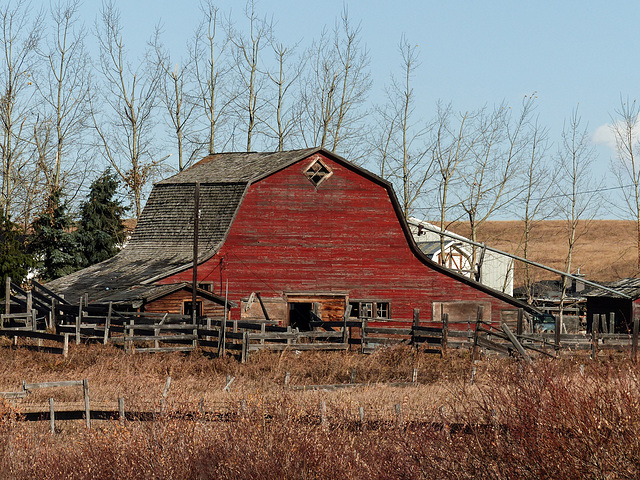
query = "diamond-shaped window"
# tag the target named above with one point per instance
(318, 172)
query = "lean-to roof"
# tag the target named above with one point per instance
(626, 286)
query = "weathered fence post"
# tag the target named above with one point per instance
(353, 376)
(594, 335)
(52, 416)
(414, 326)
(474, 354)
(222, 340)
(245, 347)
(87, 408)
(512, 338)
(612, 322)
(235, 330)
(107, 324)
(345, 329)
(79, 321)
(121, 415)
(52, 315)
(519, 325)
(30, 306)
(363, 332)
(634, 349)
(445, 334)
(130, 329)
(7, 296)
(65, 348)
(604, 326)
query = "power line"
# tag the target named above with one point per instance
(597, 190)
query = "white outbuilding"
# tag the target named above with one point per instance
(490, 268)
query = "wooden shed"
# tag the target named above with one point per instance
(624, 309)
(306, 228)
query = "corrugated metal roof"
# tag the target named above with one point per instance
(430, 248)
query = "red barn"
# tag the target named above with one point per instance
(300, 227)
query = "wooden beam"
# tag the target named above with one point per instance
(634, 350)
(196, 217)
(474, 355)
(515, 342)
(7, 295)
(264, 310)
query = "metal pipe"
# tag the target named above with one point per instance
(515, 257)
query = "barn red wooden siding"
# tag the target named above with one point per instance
(343, 236)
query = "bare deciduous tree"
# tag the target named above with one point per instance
(335, 90)
(65, 88)
(575, 158)
(174, 95)
(451, 149)
(488, 180)
(402, 144)
(19, 39)
(247, 54)
(286, 113)
(208, 55)
(532, 206)
(627, 163)
(125, 128)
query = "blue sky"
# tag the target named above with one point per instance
(472, 53)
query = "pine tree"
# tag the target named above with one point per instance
(54, 244)
(15, 262)
(100, 230)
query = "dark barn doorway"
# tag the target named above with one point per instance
(300, 316)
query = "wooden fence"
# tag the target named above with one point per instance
(500, 339)
(154, 332)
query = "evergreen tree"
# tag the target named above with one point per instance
(101, 230)
(54, 244)
(15, 262)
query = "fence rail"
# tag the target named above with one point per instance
(51, 318)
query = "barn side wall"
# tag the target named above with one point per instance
(342, 236)
(173, 303)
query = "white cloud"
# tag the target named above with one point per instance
(604, 134)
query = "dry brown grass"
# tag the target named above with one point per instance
(606, 250)
(516, 421)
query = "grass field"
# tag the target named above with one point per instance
(552, 420)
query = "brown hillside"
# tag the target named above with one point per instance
(605, 250)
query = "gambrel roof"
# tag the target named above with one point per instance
(163, 239)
